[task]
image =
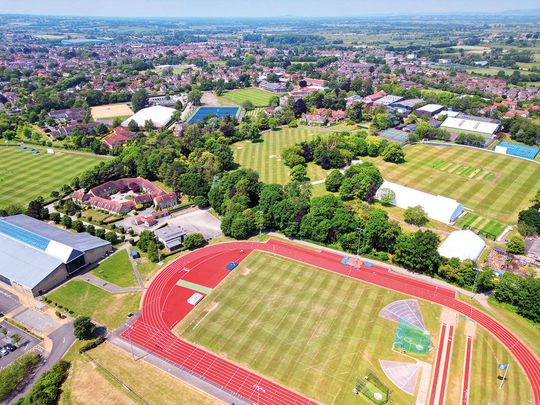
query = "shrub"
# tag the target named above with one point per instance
(93, 344)
(47, 389)
(15, 373)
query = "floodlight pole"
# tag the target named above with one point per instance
(504, 376)
(475, 278)
(261, 218)
(359, 229)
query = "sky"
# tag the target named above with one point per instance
(253, 8)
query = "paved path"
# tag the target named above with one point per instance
(165, 304)
(105, 285)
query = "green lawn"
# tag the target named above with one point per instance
(487, 352)
(309, 329)
(265, 157)
(495, 186)
(117, 270)
(24, 175)
(259, 98)
(86, 299)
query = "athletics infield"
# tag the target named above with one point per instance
(165, 304)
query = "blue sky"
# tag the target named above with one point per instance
(252, 8)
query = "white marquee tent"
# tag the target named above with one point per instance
(437, 207)
(463, 245)
(159, 115)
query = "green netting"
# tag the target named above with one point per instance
(411, 338)
(372, 388)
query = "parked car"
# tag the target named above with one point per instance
(4, 352)
(10, 347)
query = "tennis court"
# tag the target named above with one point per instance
(513, 149)
(394, 135)
(219, 112)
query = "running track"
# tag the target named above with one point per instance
(165, 305)
(467, 372)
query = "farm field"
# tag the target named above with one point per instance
(111, 111)
(484, 386)
(259, 98)
(117, 270)
(309, 329)
(265, 157)
(25, 176)
(86, 299)
(494, 186)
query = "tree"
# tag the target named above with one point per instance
(299, 173)
(153, 251)
(55, 217)
(35, 208)
(387, 196)
(333, 181)
(133, 126)
(194, 96)
(193, 184)
(354, 113)
(144, 239)
(418, 252)
(194, 241)
(78, 226)
(530, 217)
(139, 99)
(361, 181)
(248, 105)
(516, 245)
(66, 221)
(273, 123)
(393, 153)
(379, 232)
(416, 216)
(83, 328)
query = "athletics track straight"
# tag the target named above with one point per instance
(165, 305)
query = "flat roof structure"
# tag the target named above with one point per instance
(36, 256)
(470, 125)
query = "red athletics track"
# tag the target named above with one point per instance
(165, 305)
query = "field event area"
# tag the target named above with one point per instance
(258, 97)
(110, 111)
(265, 157)
(25, 175)
(493, 185)
(306, 328)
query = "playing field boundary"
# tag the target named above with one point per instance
(165, 305)
(454, 145)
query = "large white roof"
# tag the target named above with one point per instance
(463, 245)
(470, 125)
(437, 207)
(159, 115)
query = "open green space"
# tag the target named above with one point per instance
(487, 227)
(265, 157)
(117, 270)
(487, 353)
(86, 299)
(25, 175)
(259, 98)
(505, 189)
(311, 330)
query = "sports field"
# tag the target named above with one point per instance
(265, 157)
(494, 186)
(309, 329)
(24, 175)
(110, 111)
(487, 352)
(259, 98)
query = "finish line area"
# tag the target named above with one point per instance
(165, 304)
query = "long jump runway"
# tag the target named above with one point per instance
(165, 304)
